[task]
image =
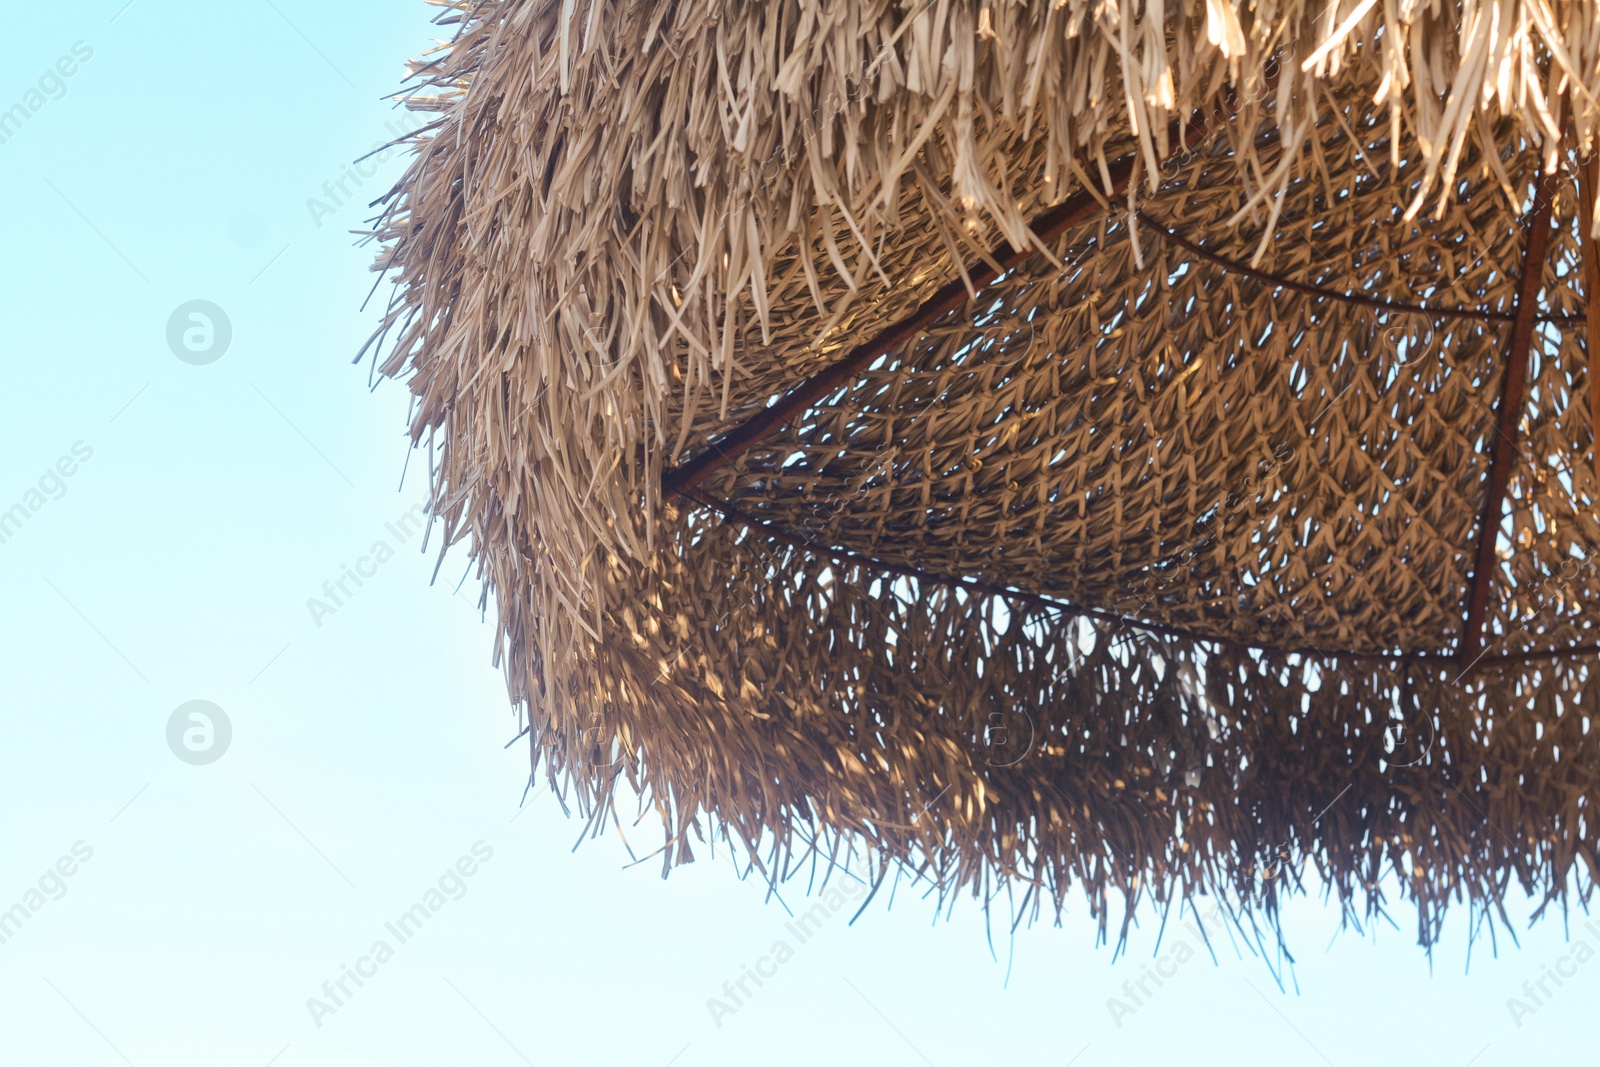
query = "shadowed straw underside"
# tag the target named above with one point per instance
(1240, 519)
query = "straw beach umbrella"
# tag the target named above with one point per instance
(1110, 445)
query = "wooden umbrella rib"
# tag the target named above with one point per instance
(1046, 227)
(1279, 281)
(1508, 416)
(732, 513)
(1588, 189)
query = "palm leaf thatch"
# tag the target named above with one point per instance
(1146, 445)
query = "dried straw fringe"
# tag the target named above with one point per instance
(615, 185)
(635, 223)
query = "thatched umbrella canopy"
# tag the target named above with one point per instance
(1135, 444)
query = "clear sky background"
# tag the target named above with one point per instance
(175, 562)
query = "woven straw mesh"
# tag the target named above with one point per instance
(1143, 570)
(1192, 445)
(1547, 585)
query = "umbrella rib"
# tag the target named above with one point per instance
(1588, 189)
(732, 513)
(739, 440)
(1045, 227)
(1235, 267)
(1508, 418)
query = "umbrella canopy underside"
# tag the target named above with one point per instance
(1031, 444)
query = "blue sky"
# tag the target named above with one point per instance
(186, 513)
